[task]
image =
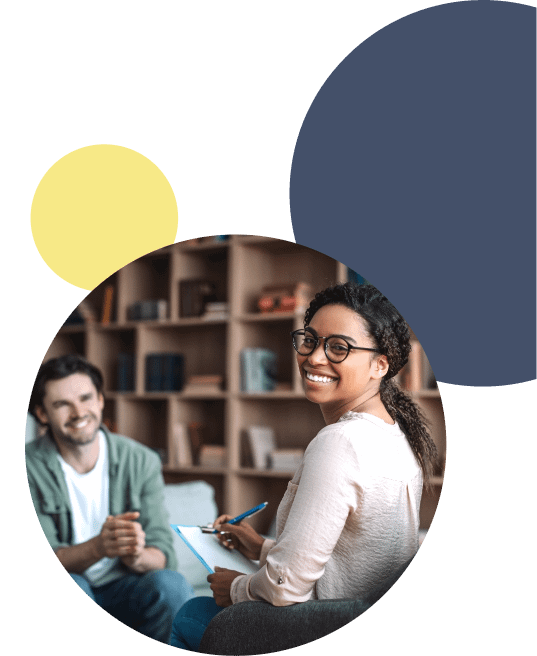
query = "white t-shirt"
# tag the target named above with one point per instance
(90, 505)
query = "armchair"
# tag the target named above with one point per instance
(256, 627)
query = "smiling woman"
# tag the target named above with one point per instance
(361, 477)
(379, 327)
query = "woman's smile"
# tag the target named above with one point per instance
(319, 377)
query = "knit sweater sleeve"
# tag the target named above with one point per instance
(319, 506)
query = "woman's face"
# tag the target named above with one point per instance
(340, 387)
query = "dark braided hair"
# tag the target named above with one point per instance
(391, 335)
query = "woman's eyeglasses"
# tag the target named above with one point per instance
(306, 340)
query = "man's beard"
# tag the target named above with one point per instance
(69, 440)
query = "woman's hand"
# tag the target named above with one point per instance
(239, 536)
(221, 585)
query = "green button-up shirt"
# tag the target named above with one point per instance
(136, 483)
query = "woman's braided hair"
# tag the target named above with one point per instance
(391, 335)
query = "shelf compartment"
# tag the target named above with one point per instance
(203, 347)
(274, 262)
(295, 422)
(104, 345)
(273, 336)
(210, 263)
(145, 279)
(144, 420)
(69, 340)
(251, 490)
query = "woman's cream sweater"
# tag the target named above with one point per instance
(349, 517)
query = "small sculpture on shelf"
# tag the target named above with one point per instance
(293, 297)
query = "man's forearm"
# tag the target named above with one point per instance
(150, 559)
(78, 557)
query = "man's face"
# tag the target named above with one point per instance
(73, 409)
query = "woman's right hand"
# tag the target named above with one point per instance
(239, 536)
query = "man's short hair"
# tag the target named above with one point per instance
(58, 368)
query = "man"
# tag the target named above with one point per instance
(99, 498)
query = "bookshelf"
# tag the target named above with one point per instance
(238, 267)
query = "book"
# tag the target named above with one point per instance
(195, 433)
(258, 370)
(125, 372)
(164, 372)
(211, 553)
(147, 310)
(262, 442)
(106, 315)
(180, 453)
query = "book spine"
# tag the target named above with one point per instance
(153, 381)
(106, 316)
(125, 372)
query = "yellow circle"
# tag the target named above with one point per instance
(99, 208)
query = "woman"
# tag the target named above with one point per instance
(350, 515)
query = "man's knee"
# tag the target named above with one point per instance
(170, 586)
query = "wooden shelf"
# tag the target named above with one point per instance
(239, 268)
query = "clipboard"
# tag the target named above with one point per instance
(211, 553)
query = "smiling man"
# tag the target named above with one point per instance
(99, 499)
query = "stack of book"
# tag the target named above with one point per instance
(164, 372)
(216, 311)
(212, 455)
(258, 370)
(285, 459)
(204, 384)
(145, 310)
(262, 451)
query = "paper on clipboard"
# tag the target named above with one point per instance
(211, 553)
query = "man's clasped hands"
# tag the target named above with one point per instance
(122, 537)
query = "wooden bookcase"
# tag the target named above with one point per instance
(239, 267)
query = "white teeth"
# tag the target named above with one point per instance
(80, 424)
(319, 379)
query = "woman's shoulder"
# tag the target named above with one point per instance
(365, 423)
(360, 425)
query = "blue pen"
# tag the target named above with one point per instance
(235, 520)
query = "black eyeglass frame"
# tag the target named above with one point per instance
(318, 338)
